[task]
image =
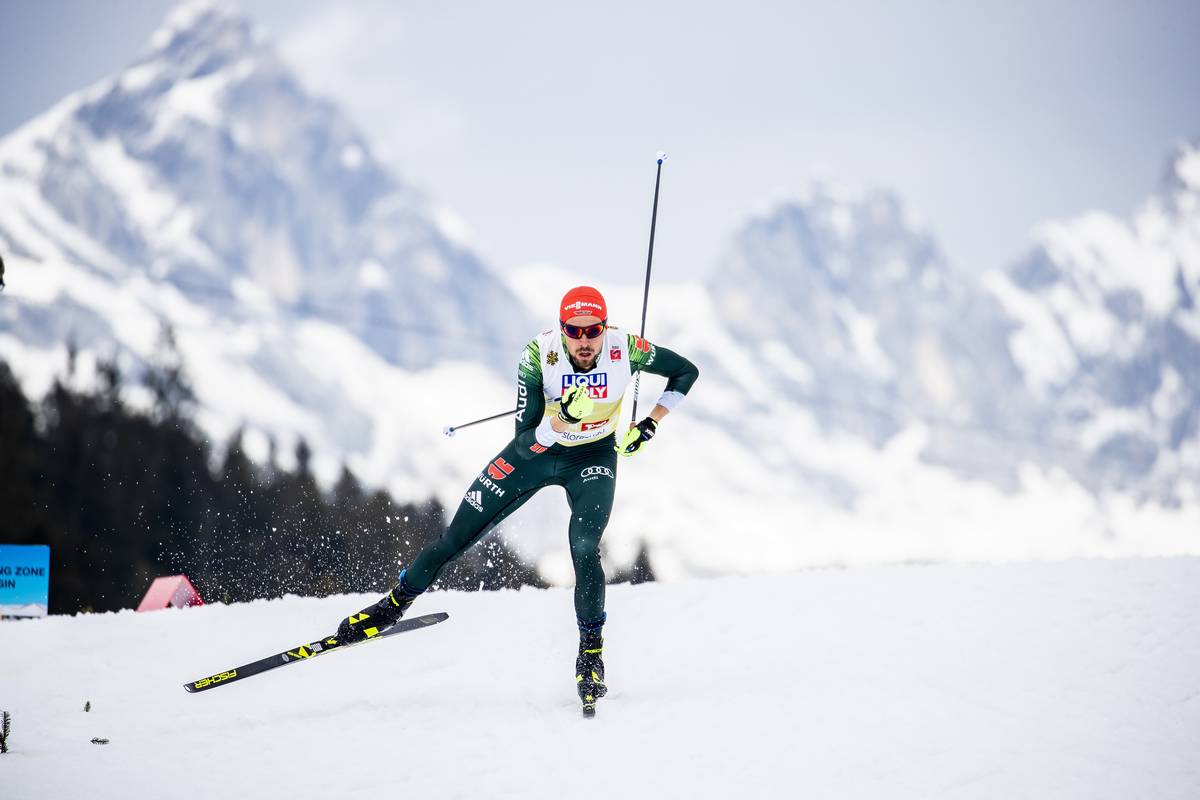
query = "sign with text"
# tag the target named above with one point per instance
(24, 580)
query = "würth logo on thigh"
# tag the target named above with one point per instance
(491, 486)
(499, 468)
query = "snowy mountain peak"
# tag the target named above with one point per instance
(855, 265)
(1182, 180)
(1108, 330)
(202, 50)
(206, 28)
(851, 311)
(208, 165)
(842, 238)
(310, 290)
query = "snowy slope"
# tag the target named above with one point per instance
(1070, 680)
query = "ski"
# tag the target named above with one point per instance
(304, 652)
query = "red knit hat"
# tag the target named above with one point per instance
(582, 301)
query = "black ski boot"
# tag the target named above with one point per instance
(589, 670)
(375, 619)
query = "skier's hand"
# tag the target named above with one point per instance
(575, 404)
(637, 436)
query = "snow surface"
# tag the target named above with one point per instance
(1070, 680)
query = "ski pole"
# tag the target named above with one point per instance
(649, 260)
(450, 430)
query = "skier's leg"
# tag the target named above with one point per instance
(590, 488)
(505, 483)
(468, 526)
(590, 491)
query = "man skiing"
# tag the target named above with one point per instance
(570, 383)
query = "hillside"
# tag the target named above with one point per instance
(860, 401)
(311, 292)
(1077, 679)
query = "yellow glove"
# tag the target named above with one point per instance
(575, 404)
(637, 436)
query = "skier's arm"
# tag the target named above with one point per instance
(679, 372)
(531, 405)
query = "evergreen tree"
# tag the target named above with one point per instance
(122, 496)
(167, 380)
(640, 571)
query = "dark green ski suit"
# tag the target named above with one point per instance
(587, 471)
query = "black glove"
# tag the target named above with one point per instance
(637, 436)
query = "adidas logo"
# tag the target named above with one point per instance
(475, 499)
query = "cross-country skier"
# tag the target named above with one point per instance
(570, 383)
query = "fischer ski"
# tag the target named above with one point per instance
(304, 652)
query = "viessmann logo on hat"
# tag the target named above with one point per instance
(582, 301)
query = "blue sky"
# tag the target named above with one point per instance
(537, 123)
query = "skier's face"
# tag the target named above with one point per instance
(584, 351)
